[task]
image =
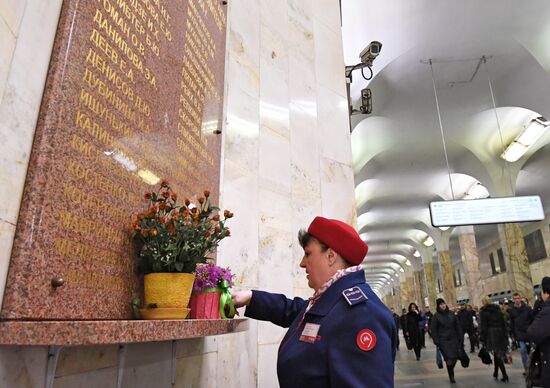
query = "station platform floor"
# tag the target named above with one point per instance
(424, 373)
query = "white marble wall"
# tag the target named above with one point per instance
(27, 30)
(286, 159)
(287, 154)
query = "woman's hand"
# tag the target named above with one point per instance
(241, 298)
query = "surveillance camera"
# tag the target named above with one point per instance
(366, 101)
(370, 52)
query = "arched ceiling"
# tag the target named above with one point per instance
(400, 163)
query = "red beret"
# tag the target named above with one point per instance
(341, 237)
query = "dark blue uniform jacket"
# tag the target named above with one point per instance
(334, 359)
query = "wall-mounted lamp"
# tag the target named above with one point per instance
(401, 269)
(428, 242)
(535, 129)
(416, 253)
(477, 191)
(408, 263)
(443, 228)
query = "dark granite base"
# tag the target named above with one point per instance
(73, 333)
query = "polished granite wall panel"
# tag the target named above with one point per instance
(148, 107)
(33, 23)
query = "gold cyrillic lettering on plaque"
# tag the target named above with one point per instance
(133, 87)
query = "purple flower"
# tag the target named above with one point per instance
(211, 275)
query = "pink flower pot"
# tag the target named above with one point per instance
(205, 305)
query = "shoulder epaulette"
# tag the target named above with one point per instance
(354, 295)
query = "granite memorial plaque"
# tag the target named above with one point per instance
(133, 95)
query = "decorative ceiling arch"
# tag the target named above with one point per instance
(398, 158)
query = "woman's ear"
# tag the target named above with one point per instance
(331, 256)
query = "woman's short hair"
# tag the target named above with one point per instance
(486, 301)
(304, 238)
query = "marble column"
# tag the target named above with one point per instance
(407, 288)
(397, 299)
(470, 260)
(517, 264)
(420, 292)
(411, 295)
(431, 283)
(446, 271)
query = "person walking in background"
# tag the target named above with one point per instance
(493, 335)
(403, 325)
(396, 319)
(429, 315)
(477, 324)
(539, 332)
(505, 309)
(447, 336)
(422, 328)
(520, 319)
(537, 307)
(413, 330)
(466, 320)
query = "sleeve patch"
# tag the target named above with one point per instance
(366, 340)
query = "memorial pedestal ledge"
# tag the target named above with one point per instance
(75, 333)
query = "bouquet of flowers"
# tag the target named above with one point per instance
(176, 238)
(211, 276)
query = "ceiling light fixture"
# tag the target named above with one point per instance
(428, 242)
(477, 191)
(529, 136)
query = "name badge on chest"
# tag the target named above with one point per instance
(309, 334)
(354, 295)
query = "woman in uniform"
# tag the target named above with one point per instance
(343, 336)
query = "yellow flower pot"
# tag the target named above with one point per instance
(168, 290)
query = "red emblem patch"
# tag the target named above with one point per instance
(366, 340)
